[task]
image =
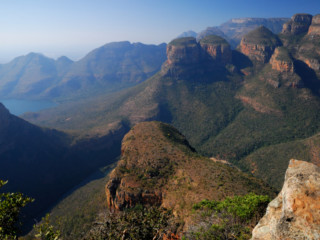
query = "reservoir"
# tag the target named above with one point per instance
(18, 106)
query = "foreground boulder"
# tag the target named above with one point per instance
(295, 213)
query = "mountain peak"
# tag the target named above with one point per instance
(188, 34)
(185, 41)
(3, 110)
(314, 28)
(261, 35)
(64, 59)
(259, 44)
(298, 24)
(183, 51)
(155, 159)
(211, 31)
(217, 48)
(214, 39)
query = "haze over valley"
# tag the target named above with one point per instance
(185, 125)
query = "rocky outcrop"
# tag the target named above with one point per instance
(295, 213)
(259, 44)
(312, 63)
(159, 168)
(217, 48)
(298, 24)
(183, 51)
(187, 57)
(314, 28)
(126, 193)
(281, 61)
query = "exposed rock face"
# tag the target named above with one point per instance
(217, 48)
(295, 213)
(183, 51)
(281, 61)
(298, 24)
(259, 44)
(123, 193)
(312, 63)
(314, 29)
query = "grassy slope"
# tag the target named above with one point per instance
(75, 213)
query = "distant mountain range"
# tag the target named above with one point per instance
(234, 29)
(105, 69)
(230, 104)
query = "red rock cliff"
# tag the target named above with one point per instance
(314, 28)
(259, 44)
(217, 48)
(298, 24)
(183, 51)
(281, 61)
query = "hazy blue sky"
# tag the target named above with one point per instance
(75, 27)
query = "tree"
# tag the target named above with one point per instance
(10, 207)
(45, 231)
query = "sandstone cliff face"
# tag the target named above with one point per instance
(281, 61)
(185, 56)
(259, 45)
(217, 48)
(126, 193)
(314, 28)
(183, 51)
(295, 213)
(298, 24)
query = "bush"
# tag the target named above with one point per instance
(231, 218)
(10, 207)
(133, 224)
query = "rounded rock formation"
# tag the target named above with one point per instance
(217, 48)
(281, 61)
(298, 24)
(314, 28)
(259, 44)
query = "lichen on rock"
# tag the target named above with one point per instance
(295, 213)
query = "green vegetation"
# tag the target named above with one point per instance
(213, 39)
(183, 41)
(262, 35)
(133, 224)
(74, 215)
(10, 208)
(229, 219)
(283, 54)
(45, 231)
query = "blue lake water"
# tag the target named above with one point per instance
(18, 107)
